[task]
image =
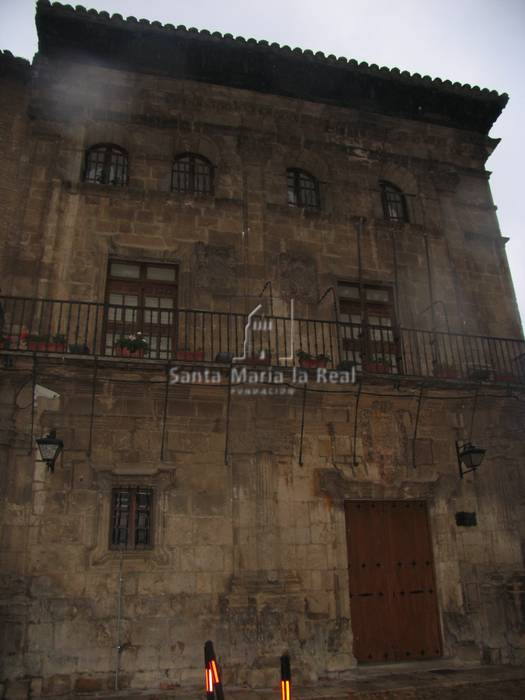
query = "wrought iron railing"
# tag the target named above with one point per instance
(190, 335)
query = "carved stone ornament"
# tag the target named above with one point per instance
(298, 275)
(214, 268)
(162, 482)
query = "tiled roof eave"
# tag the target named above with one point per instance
(481, 107)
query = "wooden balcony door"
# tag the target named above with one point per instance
(141, 297)
(368, 330)
(393, 601)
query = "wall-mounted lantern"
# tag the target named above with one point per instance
(50, 447)
(469, 456)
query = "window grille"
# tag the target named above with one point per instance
(303, 189)
(141, 298)
(192, 174)
(368, 326)
(394, 203)
(131, 518)
(106, 164)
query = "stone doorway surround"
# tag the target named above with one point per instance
(340, 487)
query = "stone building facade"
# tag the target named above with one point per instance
(165, 181)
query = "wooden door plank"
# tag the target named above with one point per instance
(393, 599)
(369, 592)
(414, 603)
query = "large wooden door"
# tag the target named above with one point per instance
(393, 602)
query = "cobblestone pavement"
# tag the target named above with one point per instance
(408, 683)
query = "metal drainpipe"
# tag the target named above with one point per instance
(430, 285)
(269, 285)
(396, 280)
(445, 312)
(433, 340)
(364, 320)
(245, 235)
(118, 647)
(336, 314)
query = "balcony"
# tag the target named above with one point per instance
(52, 327)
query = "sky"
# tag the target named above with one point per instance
(479, 42)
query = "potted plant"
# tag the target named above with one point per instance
(261, 358)
(20, 342)
(346, 366)
(443, 370)
(308, 361)
(57, 343)
(506, 377)
(378, 364)
(190, 355)
(37, 342)
(322, 359)
(224, 357)
(79, 349)
(5, 342)
(479, 373)
(131, 345)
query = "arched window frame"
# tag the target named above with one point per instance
(101, 159)
(198, 182)
(303, 189)
(394, 202)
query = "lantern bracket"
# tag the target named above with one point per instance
(50, 447)
(469, 457)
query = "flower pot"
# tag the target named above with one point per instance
(224, 357)
(312, 363)
(506, 378)
(56, 347)
(36, 346)
(445, 372)
(127, 352)
(377, 367)
(256, 360)
(190, 355)
(479, 374)
(77, 349)
(346, 366)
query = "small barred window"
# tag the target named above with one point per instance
(192, 174)
(131, 518)
(106, 164)
(303, 189)
(394, 203)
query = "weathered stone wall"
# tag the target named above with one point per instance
(71, 227)
(251, 553)
(15, 154)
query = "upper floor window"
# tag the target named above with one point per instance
(141, 299)
(192, 173)
(303, 189)
(368, 326)
(131, 516)
(106, 164)
(394, 204)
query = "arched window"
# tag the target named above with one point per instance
(192, 173)
(303, 189)
(106, 164)
(394, 204)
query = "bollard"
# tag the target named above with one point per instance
(286, 678)
(213, 678)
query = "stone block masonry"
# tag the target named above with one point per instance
(233, 508)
